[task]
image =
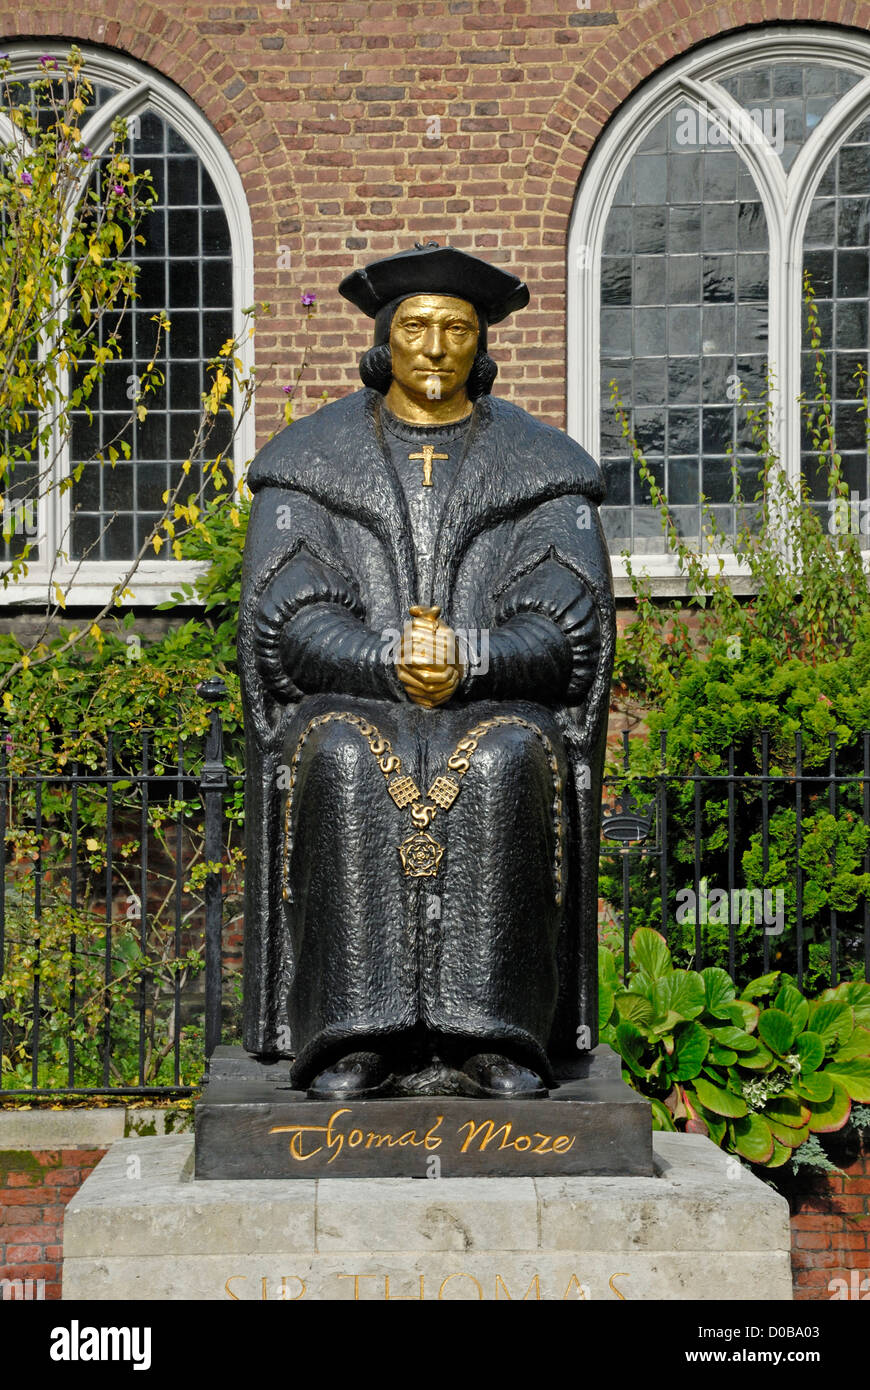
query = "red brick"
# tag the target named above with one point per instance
(27, 1269)
(16, 1217)
(65, 1177)
(80, 1158)
(25, 1198)
(35, 1235)
(849, 1240)
(812, 1240)
(19, 1179)
(810, 1221)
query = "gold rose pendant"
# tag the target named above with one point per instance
(421, 855)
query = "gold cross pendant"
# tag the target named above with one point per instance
(427, 454)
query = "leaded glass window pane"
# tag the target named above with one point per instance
(787, 100)
(184, 267)
(837, 258)
(683, 322)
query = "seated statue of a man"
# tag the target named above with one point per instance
(426, 644)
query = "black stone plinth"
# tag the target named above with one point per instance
(250, 1123)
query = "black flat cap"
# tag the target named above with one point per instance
(434, 269)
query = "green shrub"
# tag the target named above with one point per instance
(759, 1071)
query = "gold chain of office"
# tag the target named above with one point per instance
(421, 854)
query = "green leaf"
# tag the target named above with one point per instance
(786, 1134)
(787, 1111)
(690, 1048)
(605, 1003)
(718, 990)
(857, 1046)
(743, 1015)
(662, 1117)
(811, 1051)
(680, 992)
(729, 1036)
(792, 1002)
(753, 1139)
(760, 1059)
(720, 1101)
(762, 984)
(828, 1115)
(722, 1056)
(649, 951)
(832, 1021)
(780, 1155)
(816, 1085)
(857, 996)
(631, 1046)
(853, 1076)
(777, 1030)
(634, 1008)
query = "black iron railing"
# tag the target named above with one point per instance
(112, 910)
(114, 892)
(685, 839)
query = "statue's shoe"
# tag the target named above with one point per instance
(358, 1074)
(503, 1079)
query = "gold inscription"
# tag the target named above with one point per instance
(304, 1144)
(535, 1284)
(460, 1276)
(270, 1289)
(520, 1142)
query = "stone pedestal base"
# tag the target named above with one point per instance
(142, 1227)
(251, 1124)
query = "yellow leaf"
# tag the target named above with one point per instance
(95, 632)
(141, 411)
(92, 844)
(60, 596)
(95, 253)
(25, 661)
(157, 542)
(176, 549)
(234, 516)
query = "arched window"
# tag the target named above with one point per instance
(706, 197)
(197, 264)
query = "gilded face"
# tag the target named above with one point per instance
(433, 341)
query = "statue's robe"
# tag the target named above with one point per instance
(341, 946)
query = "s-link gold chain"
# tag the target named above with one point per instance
(421, 854)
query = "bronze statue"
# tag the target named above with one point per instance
(426, 644)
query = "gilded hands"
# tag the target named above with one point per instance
(428, 667)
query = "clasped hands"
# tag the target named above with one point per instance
(428, 664)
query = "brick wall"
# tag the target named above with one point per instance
(830, 1222)
(35, 1186)
(327, 108)
(831, 1233)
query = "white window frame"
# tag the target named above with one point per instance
(786, 199)
(139, 87)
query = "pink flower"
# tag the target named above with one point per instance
(26, 177)
(308, 298)
(118, 188)
(47, 61)
(287, 390)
